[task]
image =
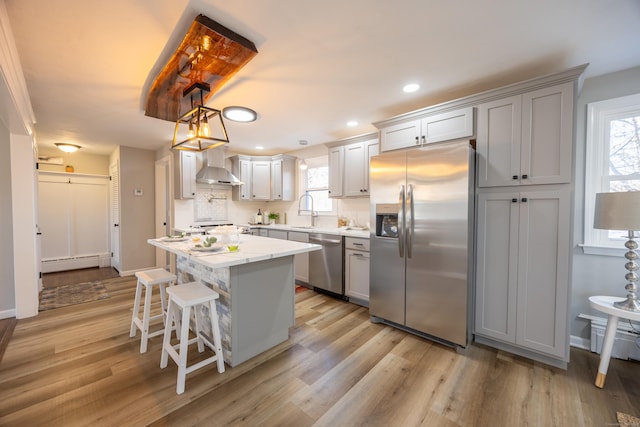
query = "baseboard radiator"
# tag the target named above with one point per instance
(626, 345)
(75, 263)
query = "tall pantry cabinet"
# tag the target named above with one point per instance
(524, 196)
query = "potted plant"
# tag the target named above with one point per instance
(273, 217)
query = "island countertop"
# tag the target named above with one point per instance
(252, 249)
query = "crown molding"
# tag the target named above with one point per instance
(11, 71)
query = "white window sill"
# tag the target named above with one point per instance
(604, 250)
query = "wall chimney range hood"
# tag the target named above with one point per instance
(213, 170)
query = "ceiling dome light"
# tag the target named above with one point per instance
(239, 114)
(352, 123)
(411, 87)
(67, 148)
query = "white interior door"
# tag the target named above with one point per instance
(114, 172)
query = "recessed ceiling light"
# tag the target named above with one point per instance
(352, 123)
(67, 148)
(411, 87)
(239, 114)
(259, 147)
(303, 142)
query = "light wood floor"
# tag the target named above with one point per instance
(77, 366)
(72, 277)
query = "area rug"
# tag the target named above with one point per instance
(627, 420)
(62, 296)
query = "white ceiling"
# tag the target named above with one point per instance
(88, 64)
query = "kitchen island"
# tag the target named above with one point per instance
(256, 287)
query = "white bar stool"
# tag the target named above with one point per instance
(148, 279)
(185, 297)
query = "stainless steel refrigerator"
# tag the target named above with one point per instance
(422, 205)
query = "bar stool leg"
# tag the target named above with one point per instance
(136, 309)
(217, 341)
(163, 302)
(198, 321)
(145, 320)
(184, 344)
(166, 340)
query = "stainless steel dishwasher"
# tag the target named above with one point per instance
(326, 265)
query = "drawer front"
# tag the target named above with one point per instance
(356, 244)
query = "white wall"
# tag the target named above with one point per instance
(93, 164)
(594, 274)
(137, 213)
(26, 262)
(7, 292)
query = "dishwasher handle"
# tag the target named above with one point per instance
(321, 240)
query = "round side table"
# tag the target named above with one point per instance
(604, 304)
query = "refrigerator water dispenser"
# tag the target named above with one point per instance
(387, 220)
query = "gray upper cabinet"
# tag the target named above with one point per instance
(264, 177)
(349, 166)
(429, 129)
(336, 167)
(185, 174)
(526, 139)
(283, 178)
(261, 180)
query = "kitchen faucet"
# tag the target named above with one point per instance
(314, 214)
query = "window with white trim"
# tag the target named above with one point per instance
(613, 161)
(314, 181)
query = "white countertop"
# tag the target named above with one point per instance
(344, 231)
(364, 234)
(252, 249)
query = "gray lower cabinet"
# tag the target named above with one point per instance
(356, 270)
(277, 234)
(301, 261)
(522, 277)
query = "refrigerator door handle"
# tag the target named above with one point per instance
(401, 219)
(410, 213)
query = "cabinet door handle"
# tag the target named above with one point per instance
(515, 177)
(525, 176)
(424, 139)
(514, 200)
(357, 244)
(523, 200)
(417, 140)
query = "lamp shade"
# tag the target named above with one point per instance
(617, 211)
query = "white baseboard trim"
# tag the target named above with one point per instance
(6, 314)
(579, 342)
(124, 273)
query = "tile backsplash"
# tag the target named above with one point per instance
(211, 205)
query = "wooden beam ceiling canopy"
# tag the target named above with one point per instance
(209, 53)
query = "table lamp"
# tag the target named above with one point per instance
(621, 211)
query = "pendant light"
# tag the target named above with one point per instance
(196, 124)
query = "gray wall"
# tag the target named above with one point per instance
(7, 287)
(137, 213)
(594, 274)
